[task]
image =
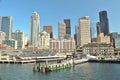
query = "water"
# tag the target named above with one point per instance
(85, 71)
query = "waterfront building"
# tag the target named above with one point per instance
(103, 39)
(4, 57)
(61, 30)
(98, 28)
(104, 24)
(68, 28)
(34, 29)
(65, 45)
(99, 49)
(21, 39)
(6, 24)
(44, 39)
(49, 29)
(83, 31)
(11, 42)
(2, 36)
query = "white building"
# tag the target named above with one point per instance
(44, 39)
(65, 45)
(83, 33)
(21, 39)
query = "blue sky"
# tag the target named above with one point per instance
(53, 11)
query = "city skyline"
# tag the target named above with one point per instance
(52, 11)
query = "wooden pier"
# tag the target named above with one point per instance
(52, 67)
(18, 62)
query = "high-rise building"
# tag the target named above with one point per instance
(83, 31)
(98, 28)
(68, 27)
(49, 29)
(34, 29)
(61, 30)
(104, 24)
(21, 39)
(6, 24)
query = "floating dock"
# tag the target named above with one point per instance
(104, 61)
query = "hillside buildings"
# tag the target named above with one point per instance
(43, 39)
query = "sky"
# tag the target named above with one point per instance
(53, 11)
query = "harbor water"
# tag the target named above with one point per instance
(85, 71)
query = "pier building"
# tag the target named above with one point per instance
(98, 49)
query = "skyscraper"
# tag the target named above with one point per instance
(98, 28)
(49, 29)
(83, 31)
(61, 30)
(68, 27)
(21, 39)
(6, 24)
(34, 29)
(104, 24)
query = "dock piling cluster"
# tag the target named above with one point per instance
(52, 67)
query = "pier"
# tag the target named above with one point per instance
(104, 61)
(46, 67)
(17, 62)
